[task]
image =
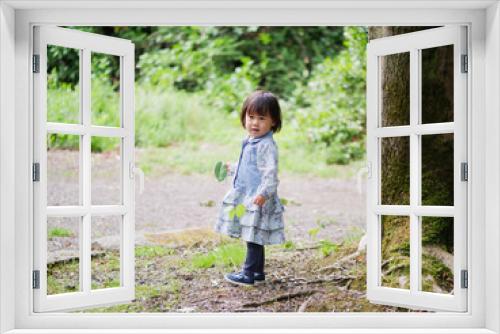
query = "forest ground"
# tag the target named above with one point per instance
(180, 261)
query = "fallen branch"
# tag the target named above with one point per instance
(338, 264)
(300, 248)
(395, 268)
(281, 297)
(304, 305)
(308, 247)
(348, 285)
(332, 278)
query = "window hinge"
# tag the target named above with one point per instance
(465, 66)
(36, 63)
(36, 279)
(36, 171)
(464, 168)
(464, 279)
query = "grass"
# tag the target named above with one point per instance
(150, 252)
(63, 277)
(106, 270)
(201, 157)
(59, 232)
(179, 131)
(169, 283)
(226, 256)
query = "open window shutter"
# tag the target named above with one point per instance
(417, 150)
(97, 272)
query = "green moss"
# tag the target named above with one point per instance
(63, 277)
(435, 272)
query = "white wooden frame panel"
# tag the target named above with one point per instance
(412, 43)
(85, 43)
(93, 130)
(419, 129)
(484, 17)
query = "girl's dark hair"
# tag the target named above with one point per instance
(262, 103)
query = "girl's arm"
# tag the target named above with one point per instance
(231, 168)
(267, 164)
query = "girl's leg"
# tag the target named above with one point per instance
(254, 260)
(262, 261)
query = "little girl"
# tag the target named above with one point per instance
(255, 185)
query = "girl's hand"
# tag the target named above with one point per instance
(259, 200)
(228, 166)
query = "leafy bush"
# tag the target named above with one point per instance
(188, 64)
(331, 107)
(227, 92)
(190, 78)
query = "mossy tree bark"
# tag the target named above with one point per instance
(437, 150)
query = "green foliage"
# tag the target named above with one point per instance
(227, 92)
(331, 106)
(290, 245)
(59, 232)
(191, 82)
(164, 117)
(313, 232)
(327, 247)
(435, 272)
(438, 231)
(105, 108)
(63, 277)
(284, 201)
(229, 255)
(188, 57)
(238, 210)
(220, 171)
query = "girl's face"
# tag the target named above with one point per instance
(257, 125)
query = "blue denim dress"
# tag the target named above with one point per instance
(256, 173)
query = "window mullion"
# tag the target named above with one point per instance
(414, 171)
(85, 250)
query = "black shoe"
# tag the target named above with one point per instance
(239, 279)
(259, 278)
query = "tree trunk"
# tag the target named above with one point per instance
(437, 150)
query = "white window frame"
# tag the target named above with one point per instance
(86, 44)
(413, 44)
(16, 215)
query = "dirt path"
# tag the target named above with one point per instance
(174, 201)
(317, 209)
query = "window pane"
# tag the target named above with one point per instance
(395, 266)
(63, 255)
(106, 251)
(105, 90)
(395, 89)
(63, 169)
(437, 84)
(395, 171)
(437, 254)
(63, 91)
(106, 171)
(437, 169)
